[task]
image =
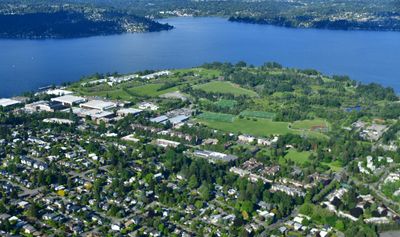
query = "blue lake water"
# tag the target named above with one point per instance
(365, 56)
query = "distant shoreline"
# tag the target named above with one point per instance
(323, 25)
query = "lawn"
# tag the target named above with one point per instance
(313, 125)
(117, 94)
(225, 88)
(217, 117)
(226, 103)
(258, 114)
(151, 90)
(256, 127)
(298, 157)
(260, 127)
(335, 166)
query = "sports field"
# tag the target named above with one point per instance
(261, 127)
(216, 117)
(256, 126)
(258, 114)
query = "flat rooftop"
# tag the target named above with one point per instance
(178, 119)
(5, 102)
(129, 111)
(99, 104)
(69, 99)
(58, 92)
(159, 119)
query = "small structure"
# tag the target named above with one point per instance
(166, 143)
(147, 105)
(127, 111)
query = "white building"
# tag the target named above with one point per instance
(246, 138)
(5, 102)
(147, 105)
(156, 74)
(99, 105)
(69, 100)
(167, 143)
(127, 111)
(59, 92)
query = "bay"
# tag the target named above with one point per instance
(365, 56)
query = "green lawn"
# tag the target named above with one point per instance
(257, 127)
(258, 114)
(151, 90)
(226, 88)
(216, 117)
(335, 166)
(298, 157)
(226, 103)
(261, 127)
(117, 94)
(310, 124)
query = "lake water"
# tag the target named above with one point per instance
(365, 56)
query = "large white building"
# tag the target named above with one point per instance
(8, 102)
(59, 92)
(69, 100)
(99, 105)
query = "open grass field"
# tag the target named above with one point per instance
(226, 103)
(335, 166)
(217, 117)
(225, 87)
(314, 124)
(151, 90)
(298, 157)
(207, 73)
(258, 114)
(261, 127)
(256, 127)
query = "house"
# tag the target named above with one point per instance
(28, 229)
(246, 138)
(115, 227)
(130, 138)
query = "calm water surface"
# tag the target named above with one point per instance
(365, 56)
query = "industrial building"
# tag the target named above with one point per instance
(69, 100)
(99, 105)
(48, 106)
(127, 111)
(8, 102)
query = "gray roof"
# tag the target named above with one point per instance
(159, 119)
